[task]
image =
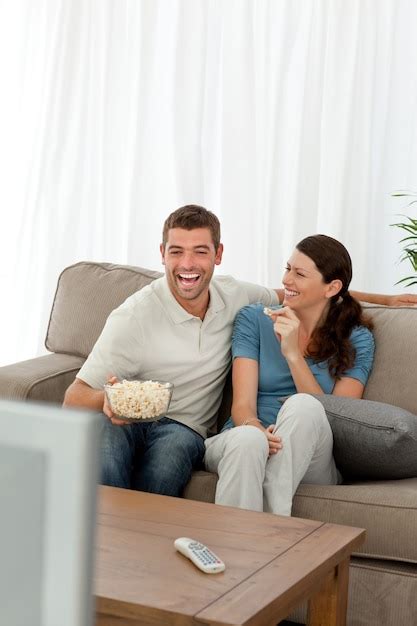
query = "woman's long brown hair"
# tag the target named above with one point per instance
(331, 339)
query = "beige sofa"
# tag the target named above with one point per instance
(383, 581)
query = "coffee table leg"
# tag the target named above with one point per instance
(329, 605)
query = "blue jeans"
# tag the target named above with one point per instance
(157, 457)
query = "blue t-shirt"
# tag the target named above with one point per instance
(254, 338)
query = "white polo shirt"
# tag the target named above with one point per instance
(151, 337)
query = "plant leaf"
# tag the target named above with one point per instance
(408, 229)
(409, 250)
(402, 192)
(408, 238)
(413, 280)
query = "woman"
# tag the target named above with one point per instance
(317, 342)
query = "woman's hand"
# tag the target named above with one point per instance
(286, 328)
(274, 442)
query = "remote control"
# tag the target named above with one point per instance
(200, 555)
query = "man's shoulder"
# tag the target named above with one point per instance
(239, 293)
(226, 281)
(143, 299)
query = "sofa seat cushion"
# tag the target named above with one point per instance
(372, 440)
(202, 486)
(381, 593)
(387, 509)
(85, 296)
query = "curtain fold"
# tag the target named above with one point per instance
(284, 117)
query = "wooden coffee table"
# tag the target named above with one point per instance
(273, 563)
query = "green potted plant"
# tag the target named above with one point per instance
(410, 241)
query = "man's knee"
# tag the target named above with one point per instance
(170, 461)
(116, 456)
(181, 446)
(115, 440)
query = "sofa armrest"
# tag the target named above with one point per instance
(45, 378)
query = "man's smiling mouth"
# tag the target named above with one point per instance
(188, 279)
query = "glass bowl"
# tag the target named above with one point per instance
(139, 400)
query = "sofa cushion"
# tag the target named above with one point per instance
(393, 377)
(202, 486)
(372, 440)
(85, 296)
(381, 593)
(387, 509)
(45, 378)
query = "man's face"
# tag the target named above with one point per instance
(189, 258)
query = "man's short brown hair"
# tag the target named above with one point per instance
(193, 216)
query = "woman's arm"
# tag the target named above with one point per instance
(348, 388)
(286, 328)
(245, 391)
(352, 384)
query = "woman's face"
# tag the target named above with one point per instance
(304, 286)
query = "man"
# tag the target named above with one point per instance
(177, 329)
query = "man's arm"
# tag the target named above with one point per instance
(280, 294)
(81, 394)
(403, 299)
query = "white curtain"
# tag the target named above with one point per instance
(285, 117)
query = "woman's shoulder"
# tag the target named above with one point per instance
(257, 310)
(254, 315)
(362, 336)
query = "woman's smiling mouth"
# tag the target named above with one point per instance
(289, 293)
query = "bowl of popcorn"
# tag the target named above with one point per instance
(139, 400)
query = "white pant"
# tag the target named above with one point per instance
(250, 479)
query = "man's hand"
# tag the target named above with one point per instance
(107, 409)
(274, 442)
(403, 299)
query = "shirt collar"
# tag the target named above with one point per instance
(176, 312)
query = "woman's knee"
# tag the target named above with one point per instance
(305, 415)
(303, 405)
(247, 440)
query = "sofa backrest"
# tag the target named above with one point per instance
(85, 296)
(87, 293)
(394, 374)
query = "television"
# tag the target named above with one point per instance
(48, 484)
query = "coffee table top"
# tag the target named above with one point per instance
(270, 560)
